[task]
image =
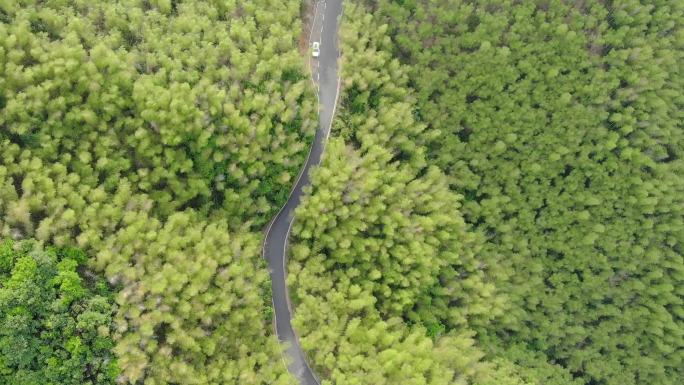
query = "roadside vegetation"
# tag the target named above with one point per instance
(506, 192)
(501, 201)
(56, 318)
(159, 137)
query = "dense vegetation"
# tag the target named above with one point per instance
(191, 105)
(159, 137)
(561, 124)
(379, 243)
(55, 324)
(509, 175)
(502, 201)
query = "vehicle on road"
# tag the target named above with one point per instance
(316, 49)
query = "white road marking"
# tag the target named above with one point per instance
(337, 94)
(313, 25)
(268, 229)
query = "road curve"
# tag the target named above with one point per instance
(324, 73)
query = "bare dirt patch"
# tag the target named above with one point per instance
(307, 15)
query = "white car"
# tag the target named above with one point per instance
(315, 49)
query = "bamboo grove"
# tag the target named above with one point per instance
(504, 199)
(159, 137)
(500, 202)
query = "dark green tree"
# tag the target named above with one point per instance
(56, 318)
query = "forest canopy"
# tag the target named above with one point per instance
(159, 137)
(56, 323)
(508, 178)
(561, 124)
(501, 201)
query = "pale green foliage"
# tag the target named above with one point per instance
(378, 241)
(560, 122)
(183, 315)
(159, 136)
(352, 271)
(200, 108)
(379, 227)
(560, 125)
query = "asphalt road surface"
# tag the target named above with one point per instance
(325, 77)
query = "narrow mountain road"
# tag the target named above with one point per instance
(325, 77)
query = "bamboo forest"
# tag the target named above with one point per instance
(342, 192)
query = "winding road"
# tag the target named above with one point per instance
(327, 14)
